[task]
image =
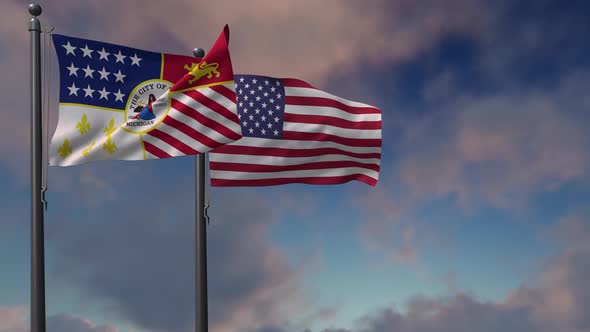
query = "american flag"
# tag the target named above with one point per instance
(123, 103)
(296, 133)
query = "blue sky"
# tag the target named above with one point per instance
(477, 223)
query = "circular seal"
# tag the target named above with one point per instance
(147, 106)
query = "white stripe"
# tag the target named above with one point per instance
(331, 130)
(296, 144)
(330, 111)
(220, 99)
(282, 161)
(179, 135)
(162, 145)
(199, 127)
(205, 111)
(308, 92)
(229, 175)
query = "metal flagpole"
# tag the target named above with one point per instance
(201, 311)
(37, 236)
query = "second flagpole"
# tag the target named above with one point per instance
(201, 305)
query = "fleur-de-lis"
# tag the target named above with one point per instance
(110, 129)
(109, 146)
(83, 125)
(65, 149)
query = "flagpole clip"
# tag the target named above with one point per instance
(43, 201)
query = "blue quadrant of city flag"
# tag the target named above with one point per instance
(261, 105)
(102, 74)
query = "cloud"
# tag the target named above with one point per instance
(556, 299)
(15, 319)
(69, 323)
(136, 262)
(495, 150)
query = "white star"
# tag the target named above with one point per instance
(135, 60)
(69, 48)
(263, 131)
(272, 89)
(263, 118)
(245, 97)
(88, 91)
(251, 117)
(119, 76)
(247, 86)
(278, 83)
(251, 104)
(257, 111)
(239, 116)
(276, 133)
(245, 110)
(269, 125)
(104, 74)
(104, 93)
(252, 92)
(245, 123)
(120, 57)
(272, 101)
(266, 94)
(257, 124)
(88, 71)
(251, 130)
(257, 98)
(278, 107)
(266, 82)
(269, 112)
(73, 90)
(279, 95)
(254, 81)
(241, 79)
(119, 95)
(276, 119)
(260, 87)
(241, 104)
(87, 51)
(104, 54)
(263, 105)
(73, 70)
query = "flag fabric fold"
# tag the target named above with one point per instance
(296, 133)
(122, 103)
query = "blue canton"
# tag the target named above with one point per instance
(101, 74)
(261, 105)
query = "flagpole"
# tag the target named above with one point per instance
(37, 234)
(201, 307)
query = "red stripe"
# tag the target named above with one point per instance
(152, 149)
(224, 91)
(295, 83)
(283, 152)
(327, 102)
(213, 105)
(321, 137)
(306, 180)
(332, 121)
(255, 168)
(212, 124)
(191, 132)
(173, 141)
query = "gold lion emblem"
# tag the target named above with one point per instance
(205, 68)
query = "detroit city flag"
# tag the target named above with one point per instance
(123, 103)
(296, 133)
